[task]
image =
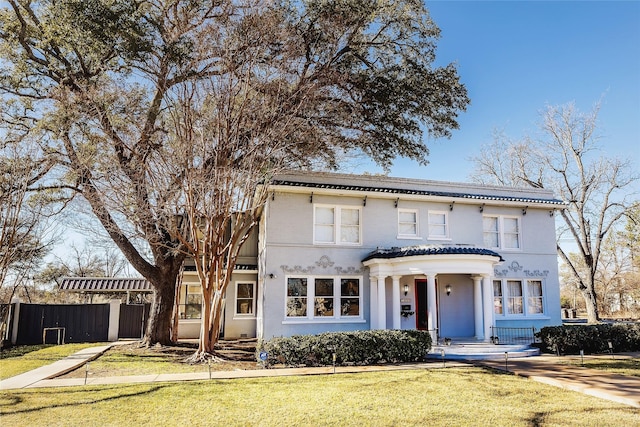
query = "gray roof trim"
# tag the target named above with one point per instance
(391, 253)
(238, 267)
(385, 190)
(105, 284)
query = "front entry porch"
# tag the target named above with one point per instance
(448, 290)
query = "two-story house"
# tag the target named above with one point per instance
(344, 252)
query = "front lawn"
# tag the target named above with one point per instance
(617, 364)
(452, 396)
(20, 359)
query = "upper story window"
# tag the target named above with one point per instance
(407, 223)
(438, 225)
(501, 232)
(337, 225)
(245, 299)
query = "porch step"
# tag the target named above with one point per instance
(481, 351)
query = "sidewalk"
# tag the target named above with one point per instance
(544, 369)
(550, 370)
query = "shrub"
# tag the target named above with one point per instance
(570, 339)
(351, 348)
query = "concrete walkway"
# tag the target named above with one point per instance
(551, 370)
(557, 371)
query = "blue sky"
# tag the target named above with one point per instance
(515, 58)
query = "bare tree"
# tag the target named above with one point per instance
(25, 237)
(594, 187)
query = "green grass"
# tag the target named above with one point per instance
(20, 359)
(134, 360)
(615, 365)
(452, 396)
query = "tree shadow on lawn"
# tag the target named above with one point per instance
(9, 401)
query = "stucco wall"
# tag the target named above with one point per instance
(290, 251)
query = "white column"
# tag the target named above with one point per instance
(114, 320)
(373, 303)
(432, 319)
(478, 307)
(382, 304)
(487, 290)
(396, 302)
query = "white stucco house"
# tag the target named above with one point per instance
(338, 252)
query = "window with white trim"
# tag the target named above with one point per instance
(497, 297)
(534, 293)
(190, 306)
(501, 232)
(514, 297)
(337, 225)
(518, 297)
(407, 223)
(323, 297)
(438, 225)
(245, 299)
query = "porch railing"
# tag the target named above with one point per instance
(502, 335)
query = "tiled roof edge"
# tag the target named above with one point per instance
(382, 253)
(415, 192)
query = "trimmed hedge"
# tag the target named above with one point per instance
(351, 348)
(570, 339)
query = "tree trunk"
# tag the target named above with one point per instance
(204, 346)
(591, 304)
(160, 317)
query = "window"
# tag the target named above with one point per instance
(534, 302)
(509, 297)
(350, 297)
(497, 297)
(191, 302)
(324, 225)
(491, 232)
(296, 297)
(501, 232)
(438, 225)
(245, 305)
(511, 233)
(332, 297)
(336, 224)
(407, 223)
(514, 288)
(323, 306)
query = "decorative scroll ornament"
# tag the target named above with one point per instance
(514, 268)
(536, 273)
(297, 269)
(348, 270)
(323, 263)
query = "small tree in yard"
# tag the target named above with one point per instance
(25, 234)
(170, 117)
(594, 187)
